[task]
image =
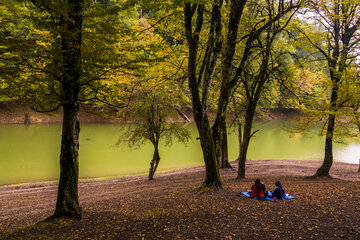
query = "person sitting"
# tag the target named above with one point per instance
(278, 192)
(258, 189)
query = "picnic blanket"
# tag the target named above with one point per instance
(267, 198)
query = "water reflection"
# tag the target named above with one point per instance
(348, 154)
(31, 153)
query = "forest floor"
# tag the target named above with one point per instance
(169, 207)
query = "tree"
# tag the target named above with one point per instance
(267, 28)
(219, 129)
(68, 23)
(204, 76)
(156, 99)
(77, 52)
(199, 78)
(71, 19)
(154, 118)
(339, 21)
(229, 76)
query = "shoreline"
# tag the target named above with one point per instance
(13, 113)
(174, 171)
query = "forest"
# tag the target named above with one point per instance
(157, 64)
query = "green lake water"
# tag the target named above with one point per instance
(31, 153)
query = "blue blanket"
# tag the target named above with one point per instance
(266, 198)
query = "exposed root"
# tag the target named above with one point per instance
(67, 210)
(316, 176)
(206, 187)
(227, 165)
(321, 175)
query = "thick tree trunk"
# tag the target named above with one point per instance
(67, 204)
(212, 176)
(245, 144)
(324, 170)
(154, 162)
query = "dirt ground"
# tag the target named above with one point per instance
(170, 208)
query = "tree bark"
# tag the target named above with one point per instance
(212, 176)
(245, 141)
(154, 162)
(67, 204)
(224, 155)
(324, 170)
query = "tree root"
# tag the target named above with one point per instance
(209, 187)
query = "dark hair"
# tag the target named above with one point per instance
(278, 184)
(257, 181)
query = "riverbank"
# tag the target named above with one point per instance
(169, 208)
(12, 113)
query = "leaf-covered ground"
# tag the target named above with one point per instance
(169, 208)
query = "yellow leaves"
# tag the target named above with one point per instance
(43, 44)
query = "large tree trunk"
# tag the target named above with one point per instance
(245, 142)
(67, 204)
(324, 170)
(154, 162)
(212, 174)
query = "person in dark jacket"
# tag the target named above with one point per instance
(278, 192)
(258, 189)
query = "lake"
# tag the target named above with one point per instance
(31, 153)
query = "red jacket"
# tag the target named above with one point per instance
(257, 191)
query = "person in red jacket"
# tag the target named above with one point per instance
(258, 189)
